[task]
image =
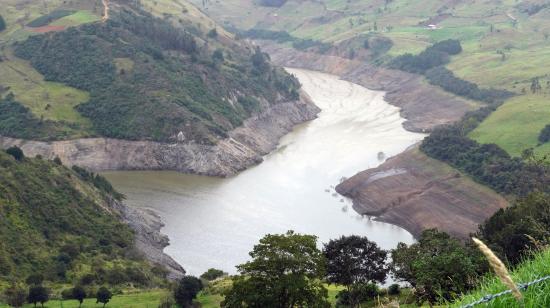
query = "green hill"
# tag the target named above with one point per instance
(141, 75)
(63, 224)
(534, 296)
(506, 46)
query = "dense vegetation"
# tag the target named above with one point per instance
(436, 55)
(431, 61)
(18, 121)
(147, 79)
(284, 37)
(486, 163)
(44, 20)
(441, 76)
(545, 134)
(58, 224)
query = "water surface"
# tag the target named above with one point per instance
(215, 222)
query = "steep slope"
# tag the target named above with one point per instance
(149, 75)
(67, 224)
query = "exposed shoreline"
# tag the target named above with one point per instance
(410, 190)
(244, 147)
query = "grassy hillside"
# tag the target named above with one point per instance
(534, 296)
(506, 45)
(148, 73)
(59, 223)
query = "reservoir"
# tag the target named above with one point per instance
(215, 222)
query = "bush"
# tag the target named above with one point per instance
(213, 274)
(545, 134)
(16, 152)
(394, 289)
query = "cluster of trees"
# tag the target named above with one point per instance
(16, 295)
(165, 59)
(441, 76)
(45, 20)
(436, 55)
(486, 163)
(98, 181)
(288, 270)
(283, 37)
(430, 63)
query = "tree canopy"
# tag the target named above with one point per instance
(284, 272)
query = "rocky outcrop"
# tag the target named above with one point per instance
(244, 147)
(148, 238)
(424, 106)
(416, 193)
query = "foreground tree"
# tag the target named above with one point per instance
(186, 291)
(38, 294)
(15, 295)
(285, 272)
(79, 294)
(437, 266)
(103, 296)
(354, 261)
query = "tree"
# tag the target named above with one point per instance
(103, 296)
(544, 135)
(38, 294)
(437, 266)
(186, 290)
(354, 261)
(79, 294)
(217, 56)
(2, 24)
(213, 274)
(213, 33)
(15, 295)
(16, 152)
(284, 272)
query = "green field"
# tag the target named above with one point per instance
(515, 126)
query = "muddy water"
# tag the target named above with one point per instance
(215, 222)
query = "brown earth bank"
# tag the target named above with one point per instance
(424, 106)
(410, 190)
(416, 193)
(244, 147)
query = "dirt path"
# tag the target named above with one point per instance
(105, 10)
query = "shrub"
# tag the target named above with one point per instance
(213, 274)
(394, 289)
(16, 152)
(545, 134)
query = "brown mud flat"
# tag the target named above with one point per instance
(46, 29)
(416, 193)
(410, 190)
(424, 106)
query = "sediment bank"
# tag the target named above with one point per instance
(244, 147)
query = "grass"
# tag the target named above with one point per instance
(147, 299)
(50, 100)
(76, 19)
(535, 296)
(515, 126)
